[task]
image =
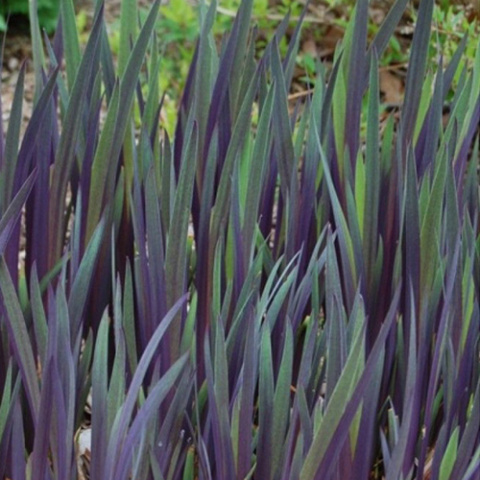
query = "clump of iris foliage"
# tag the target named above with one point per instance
(277, 292)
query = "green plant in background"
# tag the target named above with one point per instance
(47, 12)
(451, 25)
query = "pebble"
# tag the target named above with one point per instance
(13, 63)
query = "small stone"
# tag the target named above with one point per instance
(13, 63)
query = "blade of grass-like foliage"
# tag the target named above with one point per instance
(471, 182)
(453, 66)
(175, 256)
(293, 44)
(265, 406)
(82, 284)
(216, 221)
(106, 60)
(227, 81)
(364, 447)
(197, 95)
(339, 111)
(124, 415)
(116, 388)
(217, 384)
(328, 98)
(64, 384)
(281, 402)
(102, 191)
(345, 240)
(334, 411)
(42, 428)
(387, 28)
(141, 262)
(429, 234)
(155, 243)
(449, 457)
(467, 442)
(440, 345)
(101, 165)
(396, 465)
(345, 400)
(471, 128)
(354, 228)
(29, 141)
(65, 153)
(372, 170)
(433, 122)
(282, 290)
(423, 109)
(39, 317)
(70, 40)
(335, 326)
(12, 141)
(309, 175)
(36, 210)
(20, 339)
(412, 229)
(154, 103)
(144, 415)
(416, 69)
(12, 214)
(174, 418)
(474, 94)
(474, 467)
(281, 125)
(2, 130)
(5, 404)
(55, 55)
(357, 66)
(128, 30)
(17, 445)
(100, 434)
(240, 130)
(249, 377)
(244, 21)
(38, 56)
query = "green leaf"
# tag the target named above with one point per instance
(65, 154)
(70, 40)
(128, 31)
(6, 399)
(448, 460)
(20, 339)
(339, 114)
(431, 225)
(82, 283)
(12, 215)
(372, 170)
(258, 168)
(101, 166)
(265, 406)
(37, 49)
(39, 318)
(281, 401)
(176, 254)
(129, 319)
(334, 410)
(11, 143)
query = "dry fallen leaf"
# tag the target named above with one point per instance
(391, 87)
